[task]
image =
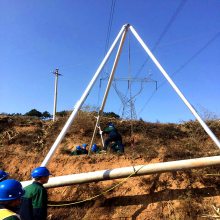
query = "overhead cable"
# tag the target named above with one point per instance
(165, 30)
(107, 39)
(197, 53)
(183, 66)
(110, 24)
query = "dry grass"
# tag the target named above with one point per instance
(177, 194)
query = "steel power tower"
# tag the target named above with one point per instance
(128, 101)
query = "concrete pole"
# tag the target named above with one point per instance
(81, 101)
(124, 172)
(55, 93)
(109, 85)
(153, 58)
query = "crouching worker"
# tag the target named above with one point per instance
(113, 136)
(10, 199)
(95, 148)
(80, 150)
(34, 201)
(84, 149)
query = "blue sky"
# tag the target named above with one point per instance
(36, 37)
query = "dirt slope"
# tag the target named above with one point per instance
(190, 194)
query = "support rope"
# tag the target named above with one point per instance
(96, 196)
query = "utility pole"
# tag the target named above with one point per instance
(56, 73)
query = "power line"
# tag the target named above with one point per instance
(167, 27)
(147, 102)
(183, 66)
(110, 24)
(182, 3)
(111, 15)
(197, 53)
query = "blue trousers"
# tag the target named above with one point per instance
(114, 137)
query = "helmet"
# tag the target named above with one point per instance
(3, 175)
(40, 172)
(94, 148)
(78, 148)
(84, 146)
(110, 124)
(10, 190)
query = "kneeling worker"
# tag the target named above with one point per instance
(34, 201)
(10, 199)
(113, 136)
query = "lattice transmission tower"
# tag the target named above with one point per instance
(128, 100)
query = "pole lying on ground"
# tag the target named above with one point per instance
(124, 172)
(81, 101)
(153, 58)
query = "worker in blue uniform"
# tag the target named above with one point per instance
(113, 136)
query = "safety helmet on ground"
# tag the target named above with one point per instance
(3, 175)
(84, 146)
(40, 172)
(94, 148)
(78, 148)
(10, 190)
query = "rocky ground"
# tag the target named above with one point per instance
(191, 194)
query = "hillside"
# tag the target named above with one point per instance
(190, 194)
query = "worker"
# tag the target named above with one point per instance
(11, 192)
(113, 136)
(84, 149)
(95, 148)
(80, 150)
(34, 201)
(3, 175)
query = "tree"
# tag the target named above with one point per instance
(46, 114)
(62, 113)
(34, 112)
(111, 115)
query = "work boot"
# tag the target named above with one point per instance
(103, 151)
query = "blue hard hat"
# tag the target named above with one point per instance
(78, 148)
(84, 146)
(94, 148)
(40, 172)
(3, 175)
(10, 190)
(110, 124)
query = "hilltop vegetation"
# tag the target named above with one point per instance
(191, 194)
